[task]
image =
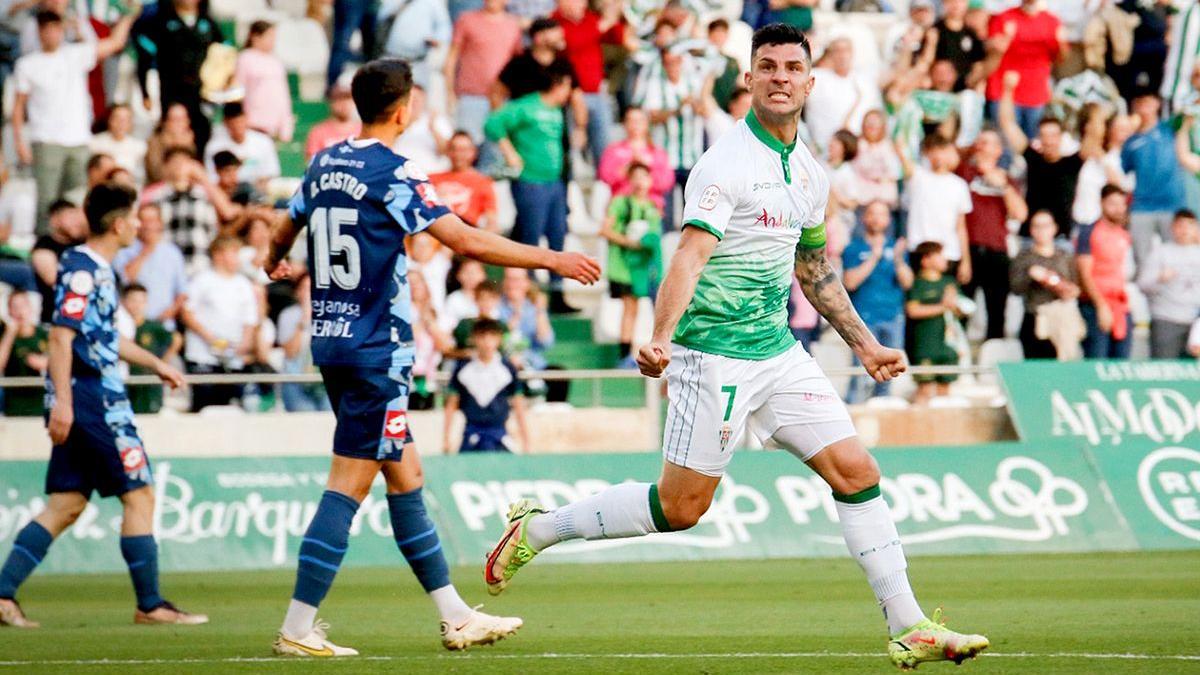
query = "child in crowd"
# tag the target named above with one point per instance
(633, 229)
(933, 294)
(487, 305)
(486, 389)
(23, 353)
(268, 100)
(154, 338)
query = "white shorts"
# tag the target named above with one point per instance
(712, 399)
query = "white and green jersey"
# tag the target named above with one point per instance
(761, 199)
(682, 135)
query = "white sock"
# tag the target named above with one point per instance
(619, 511)
(450, 605)
(299, 620)
(873, 541)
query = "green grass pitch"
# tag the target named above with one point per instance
(1128, 613)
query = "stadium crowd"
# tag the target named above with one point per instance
(999, 168)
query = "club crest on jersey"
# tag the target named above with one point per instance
(81, 282)
(395, 425)
(73, 306)
(726, 434)
(708, 198)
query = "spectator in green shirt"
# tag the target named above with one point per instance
(23, 353)
(633, 229)
(529, 133)
(931, 296)
(154, 338)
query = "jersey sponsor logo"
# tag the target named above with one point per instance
(81, 282)
(708, 198)
(776, 185)
(329, 160)
(395, 425)
(429, 195)
(412, 171)
(778, 221)
(73, 306)
(133, 458)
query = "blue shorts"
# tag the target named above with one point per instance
(103, 452)
(371, 406)
(484, 439)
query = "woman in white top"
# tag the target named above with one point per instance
(1101, 136)
(129, 152)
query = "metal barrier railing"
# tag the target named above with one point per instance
(442, 377)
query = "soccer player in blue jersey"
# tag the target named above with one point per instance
(359, 200)
(96, 447)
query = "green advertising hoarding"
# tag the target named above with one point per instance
(1105, 402)
(249, 513)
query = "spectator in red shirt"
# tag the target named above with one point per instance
(1036, 38)
(470, 194)
(1101, 252)
(637, 147)
(484, 40)
(585, 31)
(342, 123)
(994, 200)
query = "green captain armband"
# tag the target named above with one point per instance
(813, 237)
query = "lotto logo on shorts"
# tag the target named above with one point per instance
(73, 306)
(133, 459)
(708, 198)
(395, 425)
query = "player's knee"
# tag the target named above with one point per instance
(683, 510)
(62, 513)
(856, 475)
(139, 503)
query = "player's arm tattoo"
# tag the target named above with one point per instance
(825, 291)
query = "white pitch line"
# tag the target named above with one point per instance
(566, 656)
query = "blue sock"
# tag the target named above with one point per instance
(417, 538)
(141, 555)
(323, 547)
(27, 552)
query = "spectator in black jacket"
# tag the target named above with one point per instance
(174, 40)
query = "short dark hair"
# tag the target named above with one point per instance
(460, 133)
(717, 24)
(96, 160)
(541, 25)
(379, 86)
(1050, 119)
(224, 159)
(924, 250)
(555, 74)
(780, 34)
(1112, 189)
(232, 110)
(485, 325)
(174, 150)
(935, 142)
(849, 143)
(1185, 214)
(256, 29)
(60, 205)
(636, 166)
(106, 203)
(488, 286)
(222, 242)
(134, 287)
(46, 17)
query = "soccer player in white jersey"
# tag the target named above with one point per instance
(754, 216)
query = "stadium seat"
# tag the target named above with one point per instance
(997, 350)
(833, 353)
(506, 211)
(952, 401)
(303, 48)
(296, 9)
(579, 221)
(598, 200)
(887, 403)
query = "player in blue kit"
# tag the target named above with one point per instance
(359, 200)
(96, 447)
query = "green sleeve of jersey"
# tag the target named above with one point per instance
(813, 237)
(702, 225)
